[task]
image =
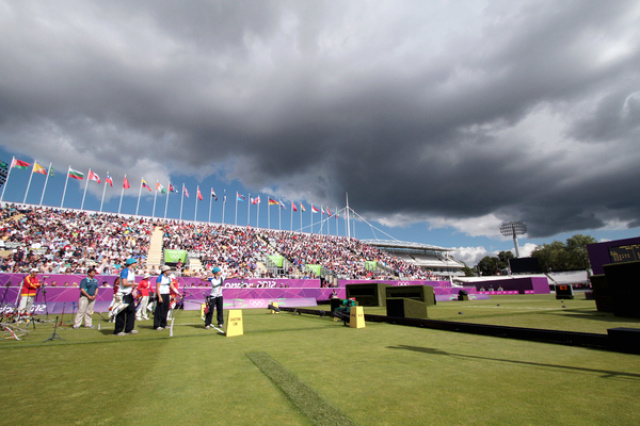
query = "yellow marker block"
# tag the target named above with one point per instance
(234, 323)
(202, 309)
(356, 318)
(276, 305)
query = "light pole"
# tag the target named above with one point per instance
(513, 229)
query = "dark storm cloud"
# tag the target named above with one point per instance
(421, 111)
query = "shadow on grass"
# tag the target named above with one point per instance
(605, 374)
(599, 316)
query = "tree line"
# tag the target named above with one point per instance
(558, 256)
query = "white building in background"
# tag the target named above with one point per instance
(436, 259)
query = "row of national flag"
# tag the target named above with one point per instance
(94, 177)
(273, 202)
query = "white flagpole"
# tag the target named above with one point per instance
(181, 200)
(291, 226)
(121, 194)
(279, 216)
(24, 200)
(139, 195)
(346, 212)
(166, 200)
(337, 221)
(268, 214)
(210, 200)
(104, 189)
(195, 213)
(7, 180)
(236, 208)
(155, 197)
(86, 183)
(224, 204)
(45, 183)
(249, 210)
(64, 192)
(258, 214)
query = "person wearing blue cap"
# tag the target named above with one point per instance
(215, 300)
(125, 320)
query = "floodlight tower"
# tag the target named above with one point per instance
(513, 229)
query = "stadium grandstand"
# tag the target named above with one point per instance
(66, 241)
(437, 260)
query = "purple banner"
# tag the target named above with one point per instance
(61, 292)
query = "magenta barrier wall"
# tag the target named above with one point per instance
(238, 293)
(525, 285)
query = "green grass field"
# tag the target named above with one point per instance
(305, 369)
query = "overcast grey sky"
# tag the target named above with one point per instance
(453, 114)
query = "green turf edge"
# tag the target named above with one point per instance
(308, 401)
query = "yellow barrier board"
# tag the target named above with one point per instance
(275, 304)
(234, 323)
(356, 318)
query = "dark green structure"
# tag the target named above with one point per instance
(423, 293)
(372, 294)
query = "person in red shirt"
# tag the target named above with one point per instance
(30, 286)
(143, 292)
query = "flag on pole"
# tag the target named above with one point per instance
(75, 174)
(240, 197)
(37, 168)
(293, 207)
(273, 202)
(199, 194)
(19, 164)
(282, 205)
(94, 177)
(144, 185)
(322, 208)
(302, 207)
(125, 184)
(51, 170)
(213, 194)
(172, 188)
(160, 188)
(314, 210)
(108, 180)
(328, 212)
(255, 200)
(184, 189)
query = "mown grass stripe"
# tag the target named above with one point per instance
(308, 401)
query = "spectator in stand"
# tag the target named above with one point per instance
(88, 295)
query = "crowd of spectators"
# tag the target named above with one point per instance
(57, 241)
(60, 241)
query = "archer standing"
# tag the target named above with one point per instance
(125, 319)
(164, 287)
(215, 300)
(30, 286)
(143, 292)
(88, 295)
